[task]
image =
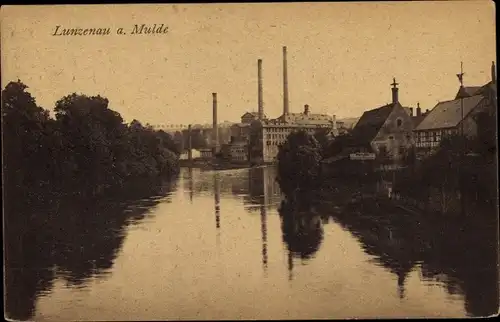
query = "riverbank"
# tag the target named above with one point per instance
(209, 164)
(376, 203)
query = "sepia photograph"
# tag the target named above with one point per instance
(250, 161)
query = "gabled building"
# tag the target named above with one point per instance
(446, 119)
(384, 130)
(456, 116)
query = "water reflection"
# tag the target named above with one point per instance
(73, 240)
(459, 254)
(217, 199)
(267, 241)
(302, 231)
(263, 229)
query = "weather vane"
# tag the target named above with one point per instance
(461, 75)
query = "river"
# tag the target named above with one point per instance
(212, 245)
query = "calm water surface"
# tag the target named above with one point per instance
(214, 246)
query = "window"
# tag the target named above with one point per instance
(391, 137)
(399, 122)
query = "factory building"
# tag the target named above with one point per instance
(266, 135)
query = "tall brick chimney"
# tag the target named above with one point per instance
(190, 152)
(260, 95)
(493, 73)
(214, 120)
(419, 110)
(285, 84)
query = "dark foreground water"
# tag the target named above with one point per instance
(212, 245)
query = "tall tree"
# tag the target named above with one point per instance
(299, 163)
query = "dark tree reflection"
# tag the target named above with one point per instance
(302, 230)
(459, 254)
(70, 239)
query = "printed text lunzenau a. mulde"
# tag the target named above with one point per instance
(142, 29)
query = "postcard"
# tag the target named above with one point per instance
(250, 161)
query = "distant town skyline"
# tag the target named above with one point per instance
(342, 57)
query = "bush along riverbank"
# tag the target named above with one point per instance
(85, 150)
(458, 180)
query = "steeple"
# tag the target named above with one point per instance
(395, 90)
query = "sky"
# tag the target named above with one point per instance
(342, 57)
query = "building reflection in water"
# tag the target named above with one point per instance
(263, 192)
(191, 185)
(262, 188)
(461, 255)
(263, 228)
(217, 179)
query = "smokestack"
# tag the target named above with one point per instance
(419, 110)
(493, 73)
(190, 155)
(214, 125)
(285, 83)
(260, 98)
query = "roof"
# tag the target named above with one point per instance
(468, 91)
(449, 114)
(416, 120)
(490, 86)
(241, 125)
(305, 119)
(254, 114)
(370, 124)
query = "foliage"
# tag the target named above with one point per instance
(487, 130)
(457, 165)
(299, 163)
(322, 137)
(197, 139)
(338, 145)
(86, 147)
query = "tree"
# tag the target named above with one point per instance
(91, 130)
(487, 129)
(410, 156)
(322, 136)
(25, 138)
(299, 163)
(338, 145)
(86, 148)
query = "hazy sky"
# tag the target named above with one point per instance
(341, 56)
